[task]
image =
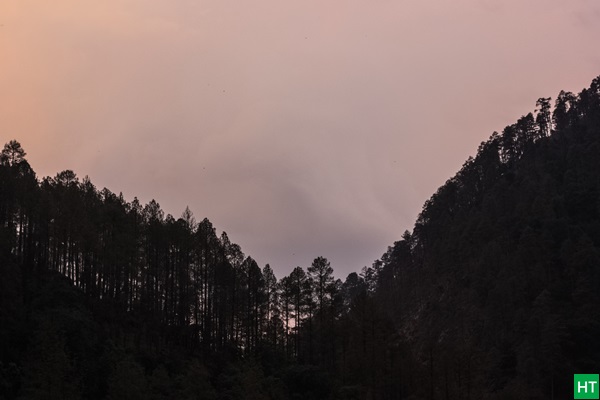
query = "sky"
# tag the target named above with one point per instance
(301, 128)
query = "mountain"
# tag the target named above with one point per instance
(494, 294)
(496, 290)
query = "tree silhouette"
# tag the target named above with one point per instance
(494, 294)
(12, 153)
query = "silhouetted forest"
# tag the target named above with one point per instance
(495, 294)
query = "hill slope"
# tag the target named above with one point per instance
(498, 286)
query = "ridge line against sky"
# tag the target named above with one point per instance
(302, 129)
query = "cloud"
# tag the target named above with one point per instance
(302, 129)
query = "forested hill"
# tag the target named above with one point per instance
(494, 294)
(497, 289)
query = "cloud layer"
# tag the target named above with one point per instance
(300, 128)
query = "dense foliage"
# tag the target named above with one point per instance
(495, 293)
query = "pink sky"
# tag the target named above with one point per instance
(300, 128)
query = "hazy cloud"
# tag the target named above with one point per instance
(301, 128)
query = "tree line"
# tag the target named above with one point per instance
(181, 283)
(178, 275)
(493, 294)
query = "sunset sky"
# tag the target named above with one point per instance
(301, 128)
